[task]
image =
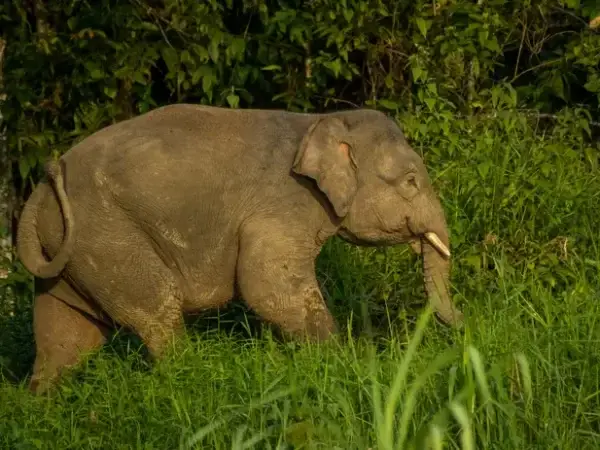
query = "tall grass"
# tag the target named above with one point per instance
(524, 373)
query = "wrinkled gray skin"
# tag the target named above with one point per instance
(177, 210)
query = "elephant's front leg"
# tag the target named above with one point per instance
(276, 276)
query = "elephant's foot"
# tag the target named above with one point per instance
(62, 336)
(298, 316)
(161, 337)
(453, 317)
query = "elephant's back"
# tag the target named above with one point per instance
(188, 158)
(193, 143)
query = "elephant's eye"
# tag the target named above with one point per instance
(411, 180)
(409, 186)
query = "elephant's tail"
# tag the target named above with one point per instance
(29, 246)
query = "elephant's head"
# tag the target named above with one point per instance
(379, 188)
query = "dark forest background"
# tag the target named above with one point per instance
(70, 67)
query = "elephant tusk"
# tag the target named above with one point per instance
(437, 243)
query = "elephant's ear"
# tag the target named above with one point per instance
(326, 157)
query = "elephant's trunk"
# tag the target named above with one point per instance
(436, 274)
(434, 246)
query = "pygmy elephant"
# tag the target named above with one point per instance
(180, 209)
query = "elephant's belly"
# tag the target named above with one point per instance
(208, 295)
(210, 284)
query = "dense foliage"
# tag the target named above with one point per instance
(501, 97)
(73, 66)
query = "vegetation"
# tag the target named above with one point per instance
(500, 98)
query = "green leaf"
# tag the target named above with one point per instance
(389, 104)
(430, 102)
(492, 44)
(23, 168)
(557, 85)
(95, 70)
(200, 51)
(199, 73)
(148, 26)
(297, 35)
(272, 67)
(432, 87)
(110, 91)
(238, 47)
(593, 83)
(423, 25)
(171, 59)
(187, 59)
(138, 77)
(233, 100)
(72, 22)
(418, 73)
(473, 261)
(96, 74)
(592, 157)
(208, 82)
(546, 168)
(335, 66)
(483, 168)
(213, 50)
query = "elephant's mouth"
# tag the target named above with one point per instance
(432, 238)
(396, 238)
(351, 238)
(437, 243)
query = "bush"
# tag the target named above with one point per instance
(71, 67)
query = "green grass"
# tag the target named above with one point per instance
(523, 374)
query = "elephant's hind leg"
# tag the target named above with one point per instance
(62, 337)
(149, 305)
(123, 274)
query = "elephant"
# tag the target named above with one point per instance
(181, 208)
